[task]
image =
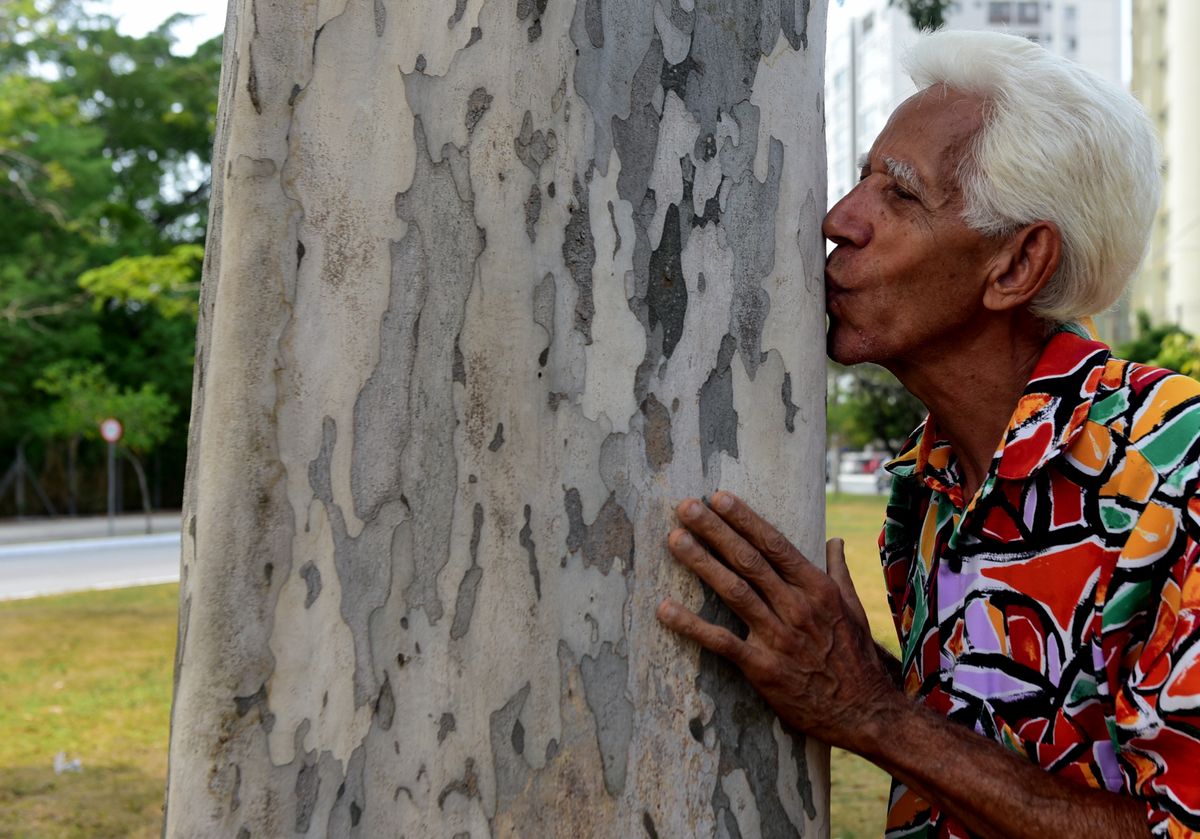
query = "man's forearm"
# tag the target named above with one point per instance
(989, 789)
(891, 664)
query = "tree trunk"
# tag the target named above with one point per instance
(488, 287)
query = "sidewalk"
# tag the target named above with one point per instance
(40, 529)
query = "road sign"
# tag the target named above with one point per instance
(111, 430)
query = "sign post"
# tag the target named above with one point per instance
(111, 431)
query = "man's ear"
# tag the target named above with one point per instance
(1023, 266)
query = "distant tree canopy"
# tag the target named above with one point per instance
(867, 406)
(925, 14)
(1165, 345)
(105, 142)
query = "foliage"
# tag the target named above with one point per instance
(1164, 345)
(105, 143)
(925, 14)
(83, 397)
(867, 406)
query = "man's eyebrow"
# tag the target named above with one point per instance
(900, 170)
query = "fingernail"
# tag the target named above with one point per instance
(684, 540)
(692, 510)
(666, 611)
(723, 502)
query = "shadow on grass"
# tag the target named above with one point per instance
(101, 802)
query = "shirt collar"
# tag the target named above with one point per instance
(1049, 416)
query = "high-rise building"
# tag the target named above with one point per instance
(1166, 76)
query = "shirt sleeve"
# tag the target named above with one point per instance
(1157, 724)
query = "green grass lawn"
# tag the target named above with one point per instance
(90, 674)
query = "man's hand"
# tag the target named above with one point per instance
(809, 653)
(809, 650)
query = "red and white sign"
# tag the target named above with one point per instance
(111, 430)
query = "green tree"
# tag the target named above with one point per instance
(868, 406)
(105, 142)
(925, 14)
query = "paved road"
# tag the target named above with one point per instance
(30, 570)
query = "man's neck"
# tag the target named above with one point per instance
(972, 392)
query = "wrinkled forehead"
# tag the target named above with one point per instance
(932, 130)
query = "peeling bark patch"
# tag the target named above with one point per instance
(534, 147)
(612, 217)
(299, 253)
(604, 684)
(252, 84)
(579, 253)
(543, 305)
(510, 768)
(385, 705)
(742, 722)
(518, 737)
(789, 407)
(593, 23)
(420, 64)
(609, 537)
(497, 438)
(460, 6)
(245, 704)
(380, 18)
(308, 784)
(666, 294)
(533, 211)
(718, 417)
(648, 825)
(477, 104)
(468, 589)
(526, 537)
(476, 34)
(467, 786)
(351, 798)
(657, 433)
(445, 725)
(696, 728)
(459, 372)
(312, 579)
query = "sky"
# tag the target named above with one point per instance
(137, 17)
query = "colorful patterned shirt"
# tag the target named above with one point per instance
(1058, 612)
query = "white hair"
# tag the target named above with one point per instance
(1058, 144)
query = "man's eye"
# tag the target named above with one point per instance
(903, 194)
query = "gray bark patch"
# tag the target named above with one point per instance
(308, 785)
(533, 211)
(385, 705)
(657, 433)
(312, 580)
(666, 294)
(543, 305)
(467, 786)
(460, 6)
(608, 538)
(743, 723)
(445, 725)
(380, 18)
(351, 799)
(510, 768)
(477, 105)
(468, 589)
(789, 407)
(604, 683)
(718, 417)
(612, 218)
(526, 537)
(579, 253)
(593, 22)
(534, 147)
(497, 438)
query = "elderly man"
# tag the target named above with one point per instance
(1040, 548)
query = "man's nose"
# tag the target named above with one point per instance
(846, 222)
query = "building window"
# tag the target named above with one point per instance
(1000, 12)
(1028, 13)
(868, 23)
(1069, 13)
(1072, 43)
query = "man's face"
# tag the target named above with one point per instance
(906, 274)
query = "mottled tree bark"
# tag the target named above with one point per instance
(489, 285)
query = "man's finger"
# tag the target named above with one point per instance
(715, 639)
(839, 572)
(738, 594)
(736, 551)
(765, 538)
